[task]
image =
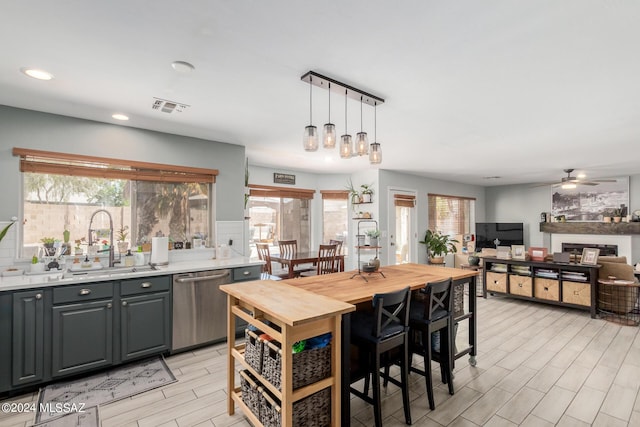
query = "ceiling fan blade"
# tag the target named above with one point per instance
(543, 184)
(604, 180)
(587, 183)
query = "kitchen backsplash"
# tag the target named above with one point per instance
(231, 231)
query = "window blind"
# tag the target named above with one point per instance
(450, 214)
(335, 194)
(256, 190)
(404, 200)
(38, 161)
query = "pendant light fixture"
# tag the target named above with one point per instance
(375, 154)
(310, 138)
(345, 140)
(329, 132)
(362, 142)
(329, 137)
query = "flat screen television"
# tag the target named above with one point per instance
(493, 234)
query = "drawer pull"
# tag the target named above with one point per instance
(520, 284)
(246, 273)
(84, 291)
(145, 285)
(546, 289)
(109, 305)
(38, 296)
(124, 303)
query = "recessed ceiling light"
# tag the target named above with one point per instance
(581, 175)
(182, 66)
(37, 74)
(119, 116)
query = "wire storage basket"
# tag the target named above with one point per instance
(251, 392)
(618, 302)
(253, 349)
(312, 411)
(309, 366)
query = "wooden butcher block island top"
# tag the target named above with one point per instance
(342, 287)
(291, 305)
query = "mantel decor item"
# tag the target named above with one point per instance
(347, 151)
(518, 252)
(537, 254)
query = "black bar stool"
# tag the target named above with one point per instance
(376, 334)
(432, 313)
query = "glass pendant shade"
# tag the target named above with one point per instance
(345, 146)
(375, 154)
(329, 136)
(362, 144)
(310, 139)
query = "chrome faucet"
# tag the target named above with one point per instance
(111, 251)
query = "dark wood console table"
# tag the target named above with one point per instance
(572, 285)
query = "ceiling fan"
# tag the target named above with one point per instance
(568, 182)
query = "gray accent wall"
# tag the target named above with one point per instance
(523, 203)
(43, 131)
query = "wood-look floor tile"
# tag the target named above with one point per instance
(533, 421)
(567, 421)
(553, 405)
(573, 377)
(486, 406)
(498, 421)
(519, 407)
(586, 404)
(619, 402)
(604, 420)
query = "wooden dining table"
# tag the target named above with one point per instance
(299, 258)
(345, 287)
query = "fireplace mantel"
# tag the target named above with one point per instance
(621, 228)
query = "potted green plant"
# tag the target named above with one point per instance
(366, 193)
(6, 229)
(48, 243)
(123, 245)
(617, 215)
(438, 245)
(374, 235)
(353, 193)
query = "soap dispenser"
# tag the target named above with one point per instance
(129, 259)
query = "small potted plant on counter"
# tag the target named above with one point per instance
(123, 245)
(49, 245)
(617, 215)
(438, 245)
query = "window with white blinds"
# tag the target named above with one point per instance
(450, 214)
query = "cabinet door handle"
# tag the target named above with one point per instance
(38, 296)
(109, 305)
(246, 273)
(85, 291)
(124, 303)
(145, 285)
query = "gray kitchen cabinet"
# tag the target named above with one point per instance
(82, 329)
(145, 317)
(28, 337)
(243, 274)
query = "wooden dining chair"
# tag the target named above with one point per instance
(326, 263)
(267, 268)
(289, 248)
(338, 244)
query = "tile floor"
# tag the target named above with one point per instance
(538, 365)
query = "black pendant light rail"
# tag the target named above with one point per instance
(339, 87)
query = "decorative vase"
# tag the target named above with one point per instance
(122, 247)
(606, 219)
(366, 198)
(373, 241)
(617, 219)
(474, 260)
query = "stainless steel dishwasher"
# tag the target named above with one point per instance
(199, 308)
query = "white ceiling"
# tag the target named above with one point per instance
(516, 89)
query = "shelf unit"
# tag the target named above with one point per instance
(288, 315)
(572, 285)
(360, 248)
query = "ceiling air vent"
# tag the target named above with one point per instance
(167, 106)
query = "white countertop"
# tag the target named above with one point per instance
(60, 277)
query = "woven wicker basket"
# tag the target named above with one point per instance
(253, 350)
(251, 392)
(312, 411)
(309, 366)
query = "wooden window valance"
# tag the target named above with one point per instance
(256, 190)
(404, 200)
(335, 194)
(38, 161)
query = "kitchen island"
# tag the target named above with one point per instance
(341, 287)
